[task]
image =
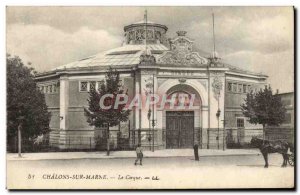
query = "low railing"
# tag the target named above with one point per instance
(280, 133)
(240, 138)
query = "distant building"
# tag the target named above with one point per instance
(287, 100)
(176, 66)
(286, 130)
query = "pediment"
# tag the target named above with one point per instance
(182, 58)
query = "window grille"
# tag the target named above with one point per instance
(240, 123)
(244, 88)
(234, 87)
(92, 85)
(83, 86)
(229, 86)
(99, 83)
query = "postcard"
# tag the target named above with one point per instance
(150, 97)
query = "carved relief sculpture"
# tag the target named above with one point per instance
(217, 86)
(181, 52)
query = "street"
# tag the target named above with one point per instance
(275, 160)
(168, 172)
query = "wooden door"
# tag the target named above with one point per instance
(179, 129)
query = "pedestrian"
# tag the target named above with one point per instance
(196, 152)
(139, 155)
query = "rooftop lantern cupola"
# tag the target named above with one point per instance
(135, 34)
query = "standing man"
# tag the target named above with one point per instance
(139, 154)
(196, 152)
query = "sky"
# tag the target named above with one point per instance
(259, 39)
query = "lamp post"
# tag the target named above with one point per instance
(108, 140)
(149, 134)
(153, 120)
(20, 128)
(218, 116)
(153, 125)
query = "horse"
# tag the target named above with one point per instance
(266, 147)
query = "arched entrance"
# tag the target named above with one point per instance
(183, 125)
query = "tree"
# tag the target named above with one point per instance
(98, 116)
(25, 103)
(264, 108)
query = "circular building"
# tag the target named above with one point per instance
(149, 61)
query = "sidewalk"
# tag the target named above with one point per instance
(131, 154)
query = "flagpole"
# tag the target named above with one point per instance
(213, 20)
(145, 20)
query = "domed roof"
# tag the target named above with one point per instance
(120, 56)
(134, 47)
